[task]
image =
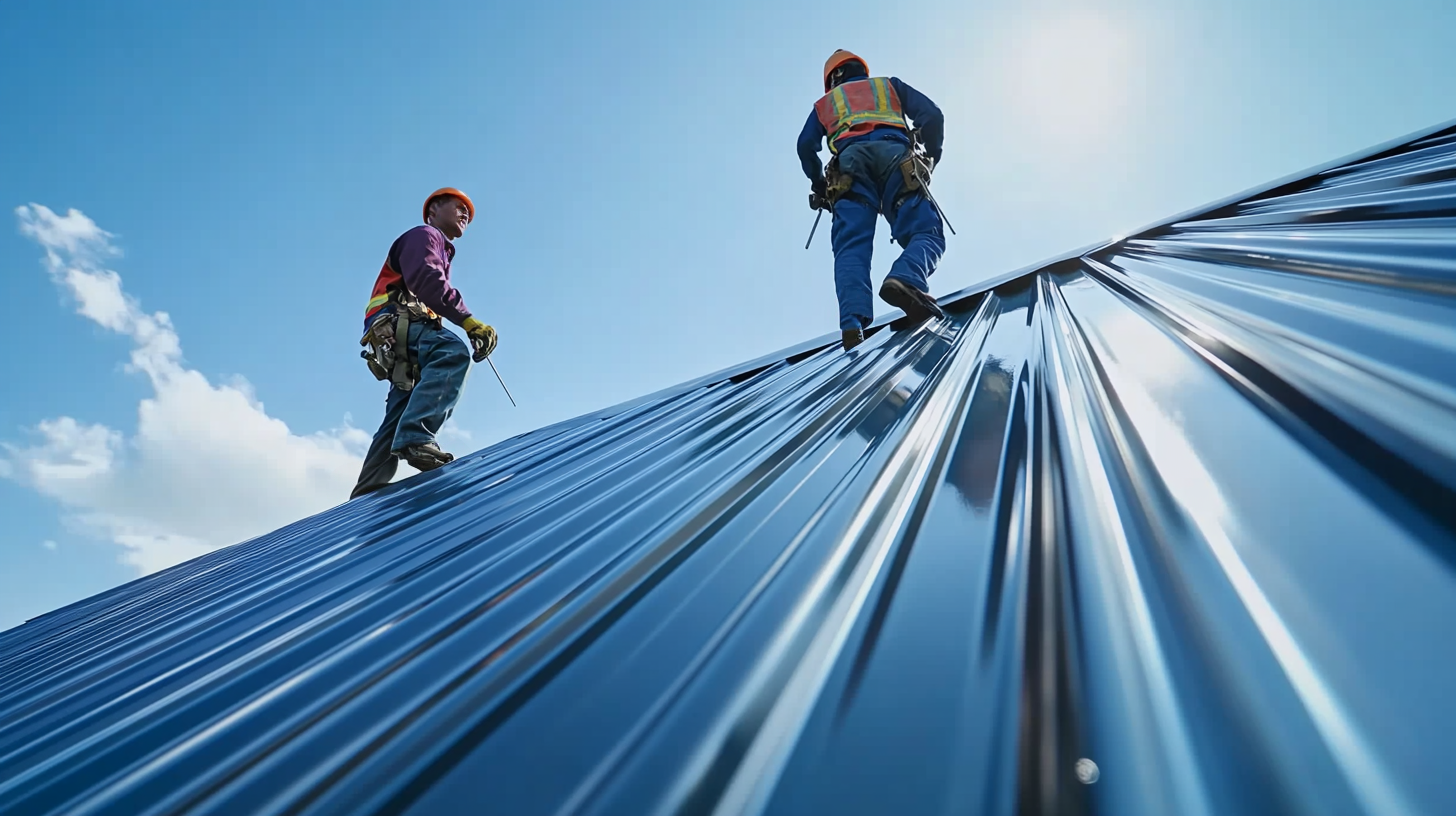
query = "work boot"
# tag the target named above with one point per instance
(850, 338)
(424, 456)
(916, 305)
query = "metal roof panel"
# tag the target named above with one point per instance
(1164, 526)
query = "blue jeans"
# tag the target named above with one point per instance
(414, 417)
(915, 226)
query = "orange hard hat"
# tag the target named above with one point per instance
(839, 58)
(449, 191)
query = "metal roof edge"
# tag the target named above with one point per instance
(1260, 189)
(825, 340)
(717, 376)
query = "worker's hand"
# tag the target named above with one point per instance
(481, 336)
(819, 194)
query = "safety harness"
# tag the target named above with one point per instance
(387, 340)
(914, 168)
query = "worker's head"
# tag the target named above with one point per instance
(843, 66)
(449, 210)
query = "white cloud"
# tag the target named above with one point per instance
(451, 435)
(69, 452)
(48, 544)
(206, 467)
(73, 234)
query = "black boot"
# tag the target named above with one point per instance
(916, 305)
(425, 456)
(849, 338)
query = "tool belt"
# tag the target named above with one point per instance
(914, 169)
(387, 341)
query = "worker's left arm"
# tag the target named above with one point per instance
(424, 264)
(809, 140)
(926, 115)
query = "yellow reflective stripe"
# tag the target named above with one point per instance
(841, 104)
(882, 95)
(863, 118)
(888, 117)
(375, 303)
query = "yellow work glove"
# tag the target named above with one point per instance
(481, 336)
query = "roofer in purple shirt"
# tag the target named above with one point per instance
(409, 345)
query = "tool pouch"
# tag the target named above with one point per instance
(372, 360)
(387, 358)
(915, 169)
(836, 181)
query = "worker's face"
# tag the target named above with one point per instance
(449, 215)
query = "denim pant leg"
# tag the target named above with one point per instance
(444, 364)
(917, 228)
(853, 236)
(380, 463)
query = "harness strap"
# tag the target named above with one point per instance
(387, 339)
(406, 372)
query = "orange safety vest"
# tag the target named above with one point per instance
(858, 107)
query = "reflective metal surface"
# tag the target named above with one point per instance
(1165, 528)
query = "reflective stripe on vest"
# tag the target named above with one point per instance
(388, 281)
(858, 107)
(375, 304)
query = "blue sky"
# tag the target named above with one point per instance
(641, 214)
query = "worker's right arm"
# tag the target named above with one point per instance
(809, 140)
(926, 114)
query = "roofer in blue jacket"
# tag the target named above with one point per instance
(863, 119)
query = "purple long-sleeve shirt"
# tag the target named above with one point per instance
(422, 257)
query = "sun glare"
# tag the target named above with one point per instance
(1066, 78)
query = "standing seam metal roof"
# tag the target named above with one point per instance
(1162, 527)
